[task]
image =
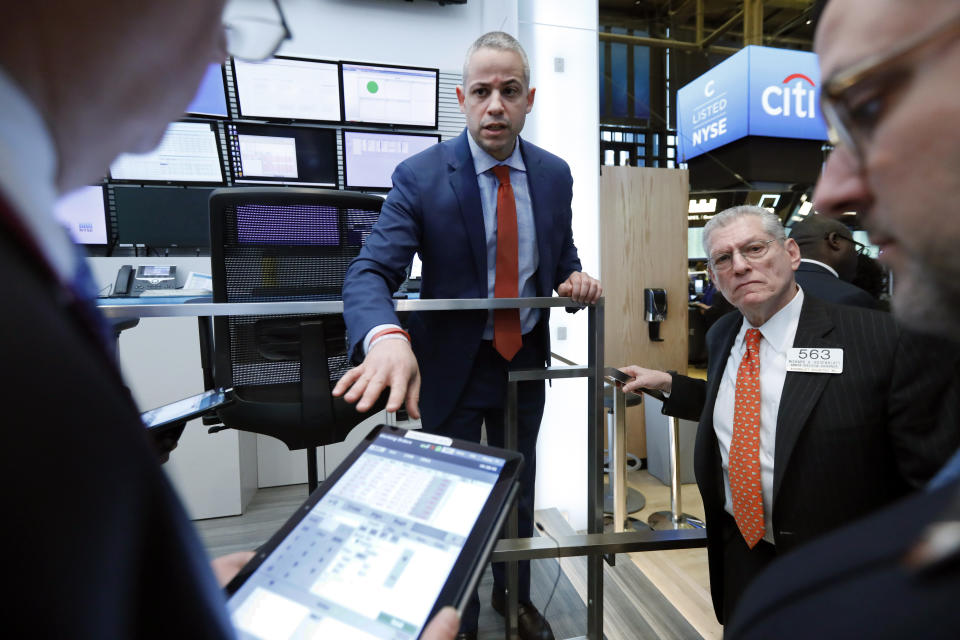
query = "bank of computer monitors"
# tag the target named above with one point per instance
(277, 154)
(84, 213)
(188, 153)
(369, 157)
(389, 94)
(288, 89)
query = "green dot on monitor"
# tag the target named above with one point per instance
(372, 87)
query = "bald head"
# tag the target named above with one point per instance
(828, 241)
(108, 75)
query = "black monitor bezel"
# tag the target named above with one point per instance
(280, 181)
(226, 100)
(343, 153)
(282, 119)
(399, 125)
(184, 183)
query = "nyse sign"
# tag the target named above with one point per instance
(757, 91)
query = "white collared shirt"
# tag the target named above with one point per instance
(778, 334)
(28, 167)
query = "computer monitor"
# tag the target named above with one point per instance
(188, 153)
(388, 94)
(163, 216)
(211, 97)
(276, 154)
(369, 157)
(84, 213)
(288, 89)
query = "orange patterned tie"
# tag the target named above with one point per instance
(744, 466)
(507, 338)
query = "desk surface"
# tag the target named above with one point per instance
(108, 302)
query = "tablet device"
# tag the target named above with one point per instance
(186, 409)
(403, 527)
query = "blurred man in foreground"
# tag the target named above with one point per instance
(98, 545)
(891, 97)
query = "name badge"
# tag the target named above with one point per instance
(815, 360)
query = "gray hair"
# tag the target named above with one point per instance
(771, 223)
(500, 41)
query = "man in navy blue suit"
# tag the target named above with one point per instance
(490, 216)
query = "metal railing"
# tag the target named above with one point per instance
(595, 544)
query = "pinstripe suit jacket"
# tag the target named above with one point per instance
(846, 444)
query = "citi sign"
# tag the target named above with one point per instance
(759, 91)
(776, 100)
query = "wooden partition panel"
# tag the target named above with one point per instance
(643, 243)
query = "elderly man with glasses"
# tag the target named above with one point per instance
(892, 100)
(812, 413)
(98, 545)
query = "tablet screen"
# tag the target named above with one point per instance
(370, 558)
(194, 405)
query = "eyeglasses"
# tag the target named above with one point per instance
(752, 252)
(254, 30)
(853, 101)
(859, 246)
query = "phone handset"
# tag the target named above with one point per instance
(124, 280)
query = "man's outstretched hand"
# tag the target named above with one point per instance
(389, 363)
(581, 287)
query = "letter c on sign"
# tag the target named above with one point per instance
(708, 89)
(774, 111)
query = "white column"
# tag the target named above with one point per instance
(560, 37)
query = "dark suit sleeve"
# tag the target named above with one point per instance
(687, 397)
(379, 270)
(568, 260)
(923, 405)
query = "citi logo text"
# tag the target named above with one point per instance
(787, 100)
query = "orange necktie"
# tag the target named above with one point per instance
(744, 467)
(507, 339)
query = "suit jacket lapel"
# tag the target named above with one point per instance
(539, 185)
(801, 391)
(463, 180)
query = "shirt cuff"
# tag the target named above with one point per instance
(377, 329)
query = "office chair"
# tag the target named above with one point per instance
(275, 244)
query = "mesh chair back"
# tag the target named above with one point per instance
(281, 244)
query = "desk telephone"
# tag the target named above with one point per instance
(132, 283)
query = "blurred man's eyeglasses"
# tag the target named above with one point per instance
(854, 100)
(859, 246)
(752, 252)
(255, 29)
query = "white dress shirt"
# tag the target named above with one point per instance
(28, 167)
(777, 337)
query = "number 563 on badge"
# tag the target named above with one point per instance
(815, 359)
